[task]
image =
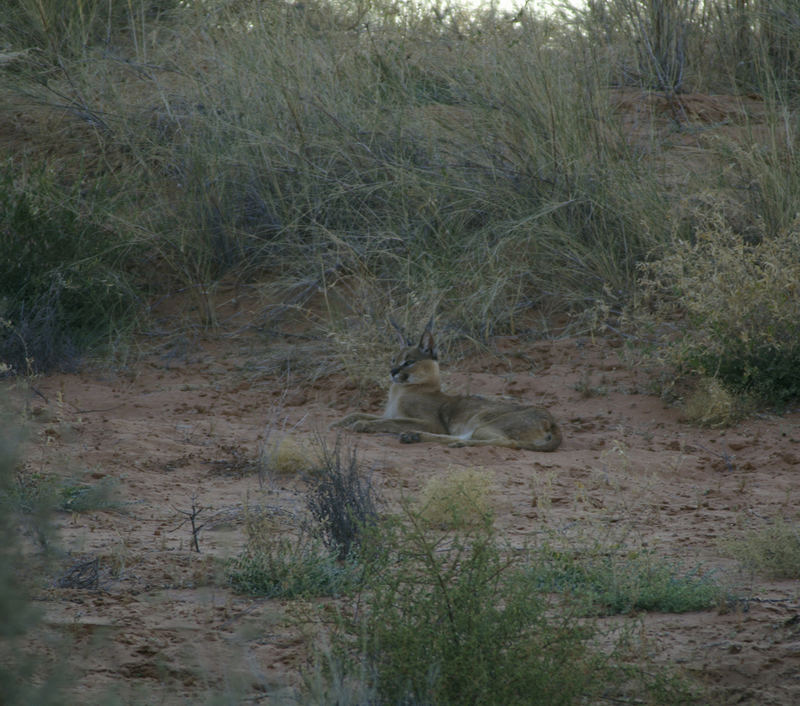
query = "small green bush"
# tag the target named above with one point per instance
(78, 496)
(729, 308)
(451, 622)
(610, 582)
(286, 570)
(279, 565)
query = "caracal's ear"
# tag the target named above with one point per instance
(404, 340)
(427, 345)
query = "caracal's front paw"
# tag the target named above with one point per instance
(410, 437)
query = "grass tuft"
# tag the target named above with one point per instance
(286, 455)
(773, 550)
(710, 404)
(624, 582)
(458, 500)
(35, 491)
(275, 564)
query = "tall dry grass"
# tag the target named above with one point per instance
(403, 160)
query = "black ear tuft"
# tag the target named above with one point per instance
(427, 345)
(405, 340)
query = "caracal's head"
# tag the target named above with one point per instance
(417, 365)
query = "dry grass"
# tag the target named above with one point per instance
(398, 163)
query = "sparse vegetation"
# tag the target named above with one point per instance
(280, 564)
(772, 550)
(398, 160)
(609, 581)
(33, 491)
(353, 163)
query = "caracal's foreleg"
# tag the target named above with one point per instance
(369, 423)
(413, 437)
(355, 417)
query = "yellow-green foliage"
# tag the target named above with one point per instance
(729, 308)
(710, 404)
(460, 499)
(287, 454)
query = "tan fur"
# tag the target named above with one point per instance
(418, 410)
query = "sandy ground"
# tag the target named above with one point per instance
(177, 430)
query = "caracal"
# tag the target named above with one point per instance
(418, 410)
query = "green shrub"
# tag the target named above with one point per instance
(451, 622)
(79, 496)
(61, 288)
(276, 564)
(288, 570)
(611, 582)
(729, 308)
